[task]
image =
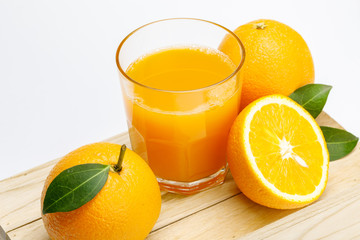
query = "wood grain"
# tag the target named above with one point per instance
(219, 213)
(239, 216)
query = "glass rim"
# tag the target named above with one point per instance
(237, 69)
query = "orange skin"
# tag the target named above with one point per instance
(277, 61)
(127, 207)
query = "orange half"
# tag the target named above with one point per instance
(277, 153)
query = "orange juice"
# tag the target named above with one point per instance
(178, 119)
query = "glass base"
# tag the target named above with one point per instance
(188, 188)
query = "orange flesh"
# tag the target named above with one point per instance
(286, 149)
(179, 141)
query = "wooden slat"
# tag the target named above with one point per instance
(337, 217)
(325, 120)
(175, 207)
(239, 216)
(34, 230)
(219, 213)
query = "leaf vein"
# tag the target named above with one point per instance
(104, 169)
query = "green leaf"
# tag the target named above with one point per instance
(312, 97)
(339, 142)
(74, 187)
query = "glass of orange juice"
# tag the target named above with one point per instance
(181, 97)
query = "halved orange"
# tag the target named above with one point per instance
(277, 153)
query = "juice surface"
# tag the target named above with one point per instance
(182, 135)
(180, 69)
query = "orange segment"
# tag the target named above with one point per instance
(277, 153)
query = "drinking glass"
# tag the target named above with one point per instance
(181, 134)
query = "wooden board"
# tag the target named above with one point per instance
(219, 213)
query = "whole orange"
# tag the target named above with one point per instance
(127, 207)
(277, 61)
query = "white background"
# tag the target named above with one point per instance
(59, 86)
